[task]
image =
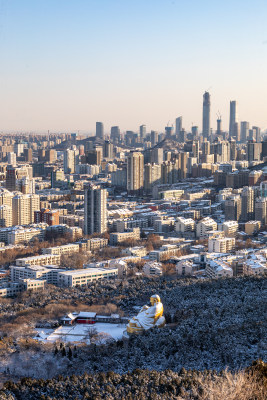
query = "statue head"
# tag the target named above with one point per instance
(154, 299)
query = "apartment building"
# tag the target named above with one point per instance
(218, 269)
(48, 273)
(230, 228)
(205, 226)
(44, 259)
(119, 237)
(66, 249)
(185, 226)
(152, 269)
(220, 244)
(85, 276)
(19, 234)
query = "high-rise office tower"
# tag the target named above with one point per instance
(100, 130)
(194, 131)
(219, 126)
(69, 161)
(233, 118)
(244, 131)
(178, 126)
(154, 138)
(233, 152)
(254, 151)
(95, 210)
(142, 132)
(258, 133)
(236, 134)
(135, 172)
(247, 207)
(115, 134)
(195, 149)
(168, 131)
(206, 115)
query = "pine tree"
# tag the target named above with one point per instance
(63, 352)
(69, 354)
(56, 351)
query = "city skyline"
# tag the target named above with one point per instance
(66, 65)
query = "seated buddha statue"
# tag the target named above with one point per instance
(148, 317)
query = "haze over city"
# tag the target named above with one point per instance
(67, 64)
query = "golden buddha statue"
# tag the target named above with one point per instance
(148, 317)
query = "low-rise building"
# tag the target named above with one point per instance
(152, 269)
(218, 269)
(44, 259)
(120, 237)
(66, 249)
(164, 253)
(139, 251)
(84, 276)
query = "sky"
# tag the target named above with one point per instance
(65, 64)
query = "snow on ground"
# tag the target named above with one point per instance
(79, 332)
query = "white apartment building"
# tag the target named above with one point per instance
(14, 288)
(164, 253)
(18, 234)
(119, 237)
(66, 249)
(230, 228)
(152, 269)
(218, 269)
(205, 226)
(48, 273)
(44, 259)
(219, 244)
(185, 225)
(184, 267)
(84, 276)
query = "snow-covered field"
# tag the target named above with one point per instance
(79, 332)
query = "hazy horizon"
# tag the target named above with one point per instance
(67, 64)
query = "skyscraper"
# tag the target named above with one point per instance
(168, 131)
(244, 131)
(206, 115)
(100, 130)
(69, 161)
(178, 125)
(115, 134)
(247, 199)
(135, 172)
(95, 210)
(233, 118)
(142, 132)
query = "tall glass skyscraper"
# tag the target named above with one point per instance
(206, 115)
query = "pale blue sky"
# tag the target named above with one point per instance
(68, 63)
